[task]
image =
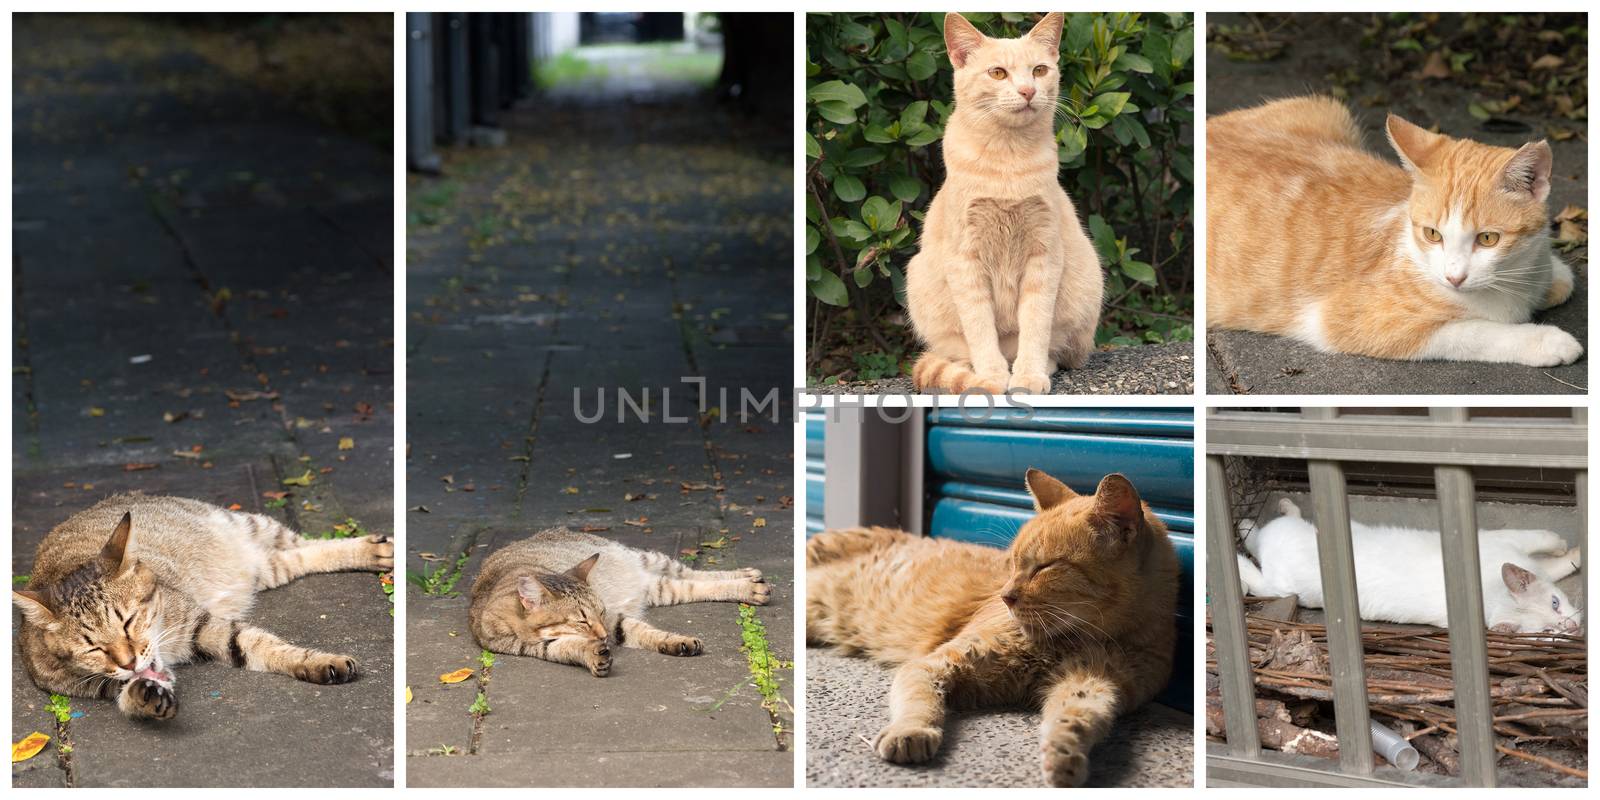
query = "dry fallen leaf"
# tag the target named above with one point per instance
(137, 467)
(347, 443)
(761, 522)
(303, 480)
(457, 676)
(570, 490)
(408, 695)
(28, 747)
(235, 507)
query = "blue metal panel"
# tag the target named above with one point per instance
(1172, 423)
(985, 498)
(815, 484)
(1162, 469)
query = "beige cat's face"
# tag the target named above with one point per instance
(1011, 82)
(101, 620)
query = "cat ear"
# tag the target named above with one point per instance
(1413, 144)
(581, 570)
(115, 557)
(530, 592)
(34, 607)
(960, 38)
(1047, 491)
(1517, 579)
(1048, 30)
(1116, 501)
(1528, 171)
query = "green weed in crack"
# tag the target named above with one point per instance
(764, 666)
(441, 580)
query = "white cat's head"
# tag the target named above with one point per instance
(1538, 606)
(1011, 82)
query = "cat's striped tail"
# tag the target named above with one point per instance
(933, 371)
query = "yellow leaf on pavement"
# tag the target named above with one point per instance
(457, 676)
(28, 747)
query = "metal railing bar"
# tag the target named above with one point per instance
(1552, 444)
(1227, 618)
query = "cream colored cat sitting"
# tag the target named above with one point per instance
(1006, 287)
(1443, 256)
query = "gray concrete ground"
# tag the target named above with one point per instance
(1319, 47)
(631, 235)
(151, 279)
(847, 704)
(1149, 369)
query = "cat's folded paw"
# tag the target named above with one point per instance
(681, 646)
(1065, 767)
(899, 743)
(1549, 346)
(1030, 382)
(146, 699)
(760, 593)
(598, 659)
(751, 572)
(326, 669)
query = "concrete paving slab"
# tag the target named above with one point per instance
(847, 704)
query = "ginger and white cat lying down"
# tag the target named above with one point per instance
(1444, 256)
(1400, 573)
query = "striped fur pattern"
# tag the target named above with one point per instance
(1006, 286)
(128, 589)
(567, 597)
(1074, 619)
(1441, 256)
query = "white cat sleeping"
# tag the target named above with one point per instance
(1400, 573)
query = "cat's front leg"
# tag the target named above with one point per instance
(916, 711)
(1503, 342)
(1078, 713)
(974, 304)
(143, 698)
(1561, 283)
(1036, 309)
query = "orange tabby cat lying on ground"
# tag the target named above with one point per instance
(1442, 257)
(1006, 286)
(1075, 618)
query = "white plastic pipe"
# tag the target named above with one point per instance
(1393, 747)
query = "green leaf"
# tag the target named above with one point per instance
(921, 65)
(877, 134)
(1110, 104)
(813, 150)
(849, 188)
(915, 113)
(829, 289)
(863, 277)
(836, 112)
(1139, 271)
(1079, 34)
(905, 188)
(812, 240)
(1105, 239)
(863, 157)
(874, 212)
(837, 91)
(1134, 62)
(926, 136)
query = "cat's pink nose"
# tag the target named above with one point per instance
(1010, 598)
(1026, 92)
(1456, 280)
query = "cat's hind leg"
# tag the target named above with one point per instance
(1534, 543)
(1554, 568)
(1561, 283)
(248, 647)
(366, 554)
(677, 591)
(1078, 713)
(1250, 578)
(641, 635)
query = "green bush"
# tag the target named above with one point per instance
(878, 94)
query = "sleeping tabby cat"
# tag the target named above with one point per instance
(135, 585)
(566, 597)
(1075, 618)
(1006, 286)
(1444, 256)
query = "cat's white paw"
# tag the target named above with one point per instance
(992, 382)
(1549, 346)
(899, 743)
(1030, 382)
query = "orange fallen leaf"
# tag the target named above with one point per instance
(235, 507)
(457, 676)
(138, 467)
(28, 747)
(274, 495)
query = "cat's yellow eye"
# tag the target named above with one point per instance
(1040, 71)
(997, 73)
(1488, 239)
(1431, 235)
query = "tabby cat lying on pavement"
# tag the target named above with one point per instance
(1075, 618)
(564, 597)
(109, 617)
